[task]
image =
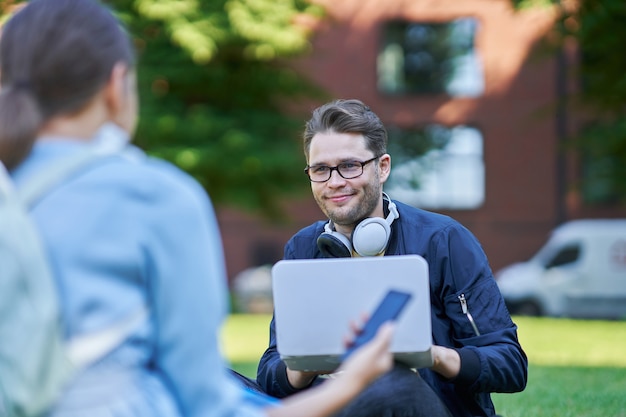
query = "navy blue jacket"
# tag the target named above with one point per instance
(491, 362)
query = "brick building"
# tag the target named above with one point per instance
(501, 95)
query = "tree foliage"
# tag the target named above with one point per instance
(598, 28)
(214, 85)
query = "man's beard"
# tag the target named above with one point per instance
(356, 213)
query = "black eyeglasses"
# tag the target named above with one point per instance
(347, 170)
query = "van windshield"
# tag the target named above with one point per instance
(553, 255)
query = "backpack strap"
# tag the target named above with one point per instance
(87, 349)
(6, 186)
(110, 140)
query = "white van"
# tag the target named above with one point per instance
(580, 272)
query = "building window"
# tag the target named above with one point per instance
(601, 175)
(598, 183)
(423, 58)
(437, 167)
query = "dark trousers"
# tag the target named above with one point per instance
(399, 393)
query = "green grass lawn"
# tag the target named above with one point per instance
(577, 367)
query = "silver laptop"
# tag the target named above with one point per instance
(315, 300)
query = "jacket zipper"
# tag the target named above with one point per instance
(467, 313)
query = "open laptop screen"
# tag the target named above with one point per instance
(315, 300)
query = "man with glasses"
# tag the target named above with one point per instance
(474, 354)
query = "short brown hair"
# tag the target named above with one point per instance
(347, 116)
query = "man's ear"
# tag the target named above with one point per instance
(384, 165)
(115, 91)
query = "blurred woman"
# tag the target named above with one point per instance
(127, 232)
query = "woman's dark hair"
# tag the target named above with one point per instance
(347, 116)
(55, 55)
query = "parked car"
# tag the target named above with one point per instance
(580, 272)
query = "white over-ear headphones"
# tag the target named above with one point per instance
(369, 237)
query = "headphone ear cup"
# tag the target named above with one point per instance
(334, 245)
(370, 237)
